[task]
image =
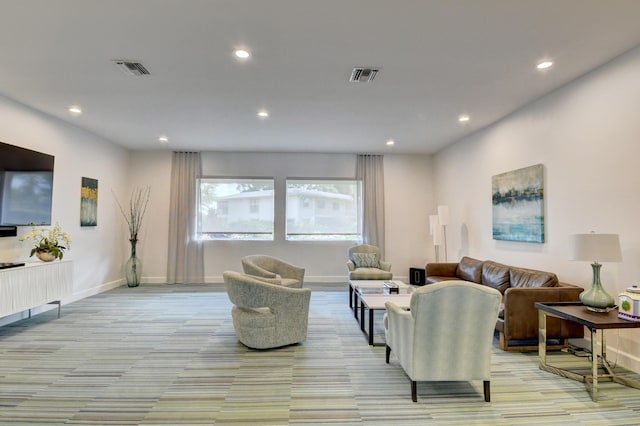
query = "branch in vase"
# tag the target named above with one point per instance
(137, 208)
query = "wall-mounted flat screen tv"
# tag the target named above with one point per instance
(26, 186)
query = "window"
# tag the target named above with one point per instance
(254, 205)
(236, 209)
(223, 207)
(308, 220)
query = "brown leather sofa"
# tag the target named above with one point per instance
(520, 288)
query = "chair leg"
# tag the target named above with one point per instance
(487, 391)
(414, 391)
(388, 352)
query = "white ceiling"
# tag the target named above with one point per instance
(439, 59)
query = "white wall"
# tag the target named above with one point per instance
(409, 199)
(153, 170)
(587, 136)
(407, 185)
(98, 252)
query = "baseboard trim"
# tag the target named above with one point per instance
(93, 291)
(217, 279)
(314, 279)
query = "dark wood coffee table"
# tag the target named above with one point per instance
(577, 312)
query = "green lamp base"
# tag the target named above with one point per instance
(596, 299)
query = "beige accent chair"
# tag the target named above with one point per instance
(273, 270)
(365, 264)
(447, 335)
(267, 315)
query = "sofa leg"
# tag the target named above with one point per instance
(504, 344)
(487, 391)
(414, 391)
(388, 352)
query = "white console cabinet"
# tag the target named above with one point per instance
(35, 284)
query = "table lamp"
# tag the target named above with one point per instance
(595, 248)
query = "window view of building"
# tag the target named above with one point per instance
(243, 209)
(323, 210)
(236, 209)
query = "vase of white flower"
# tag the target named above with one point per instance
(48, 244)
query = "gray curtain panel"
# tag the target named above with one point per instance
(370, 169)
(185, 263)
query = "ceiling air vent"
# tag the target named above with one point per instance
(363, 75)
(131, 67)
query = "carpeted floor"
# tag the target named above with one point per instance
(160, 354)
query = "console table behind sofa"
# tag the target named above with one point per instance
(35, 284)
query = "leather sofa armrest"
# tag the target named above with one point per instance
(385, 266)
(561, 284)
(441, 269)
(521, 317)
(351, 266)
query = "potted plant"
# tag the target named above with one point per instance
(49, 244)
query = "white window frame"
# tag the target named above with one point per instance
(295, 208)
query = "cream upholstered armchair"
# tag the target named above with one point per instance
(447, 335)
(365, 264)
(273, 270)
(267, 315)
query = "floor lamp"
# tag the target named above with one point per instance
(434, 230)
(443, 219)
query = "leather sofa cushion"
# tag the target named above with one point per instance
(529, 278)
(470, 269)
(442, 270)
(496, 275)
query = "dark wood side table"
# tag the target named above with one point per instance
(577, 312)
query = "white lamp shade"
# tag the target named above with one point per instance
(443, 215)
(595, 247)
(433, 223)
(438, 236)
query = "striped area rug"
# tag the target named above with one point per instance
(168, 355)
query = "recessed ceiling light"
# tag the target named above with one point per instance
(544, 65)
(263, 114)
(75, 110)
(391, 142)
(464, 118)
(163, 139)
(242, 54)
